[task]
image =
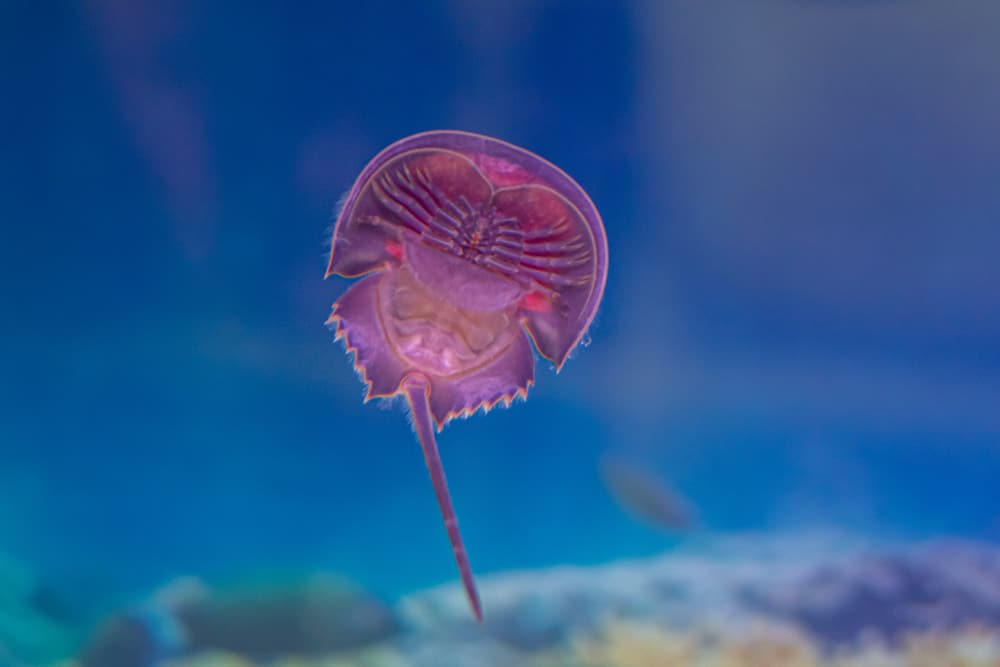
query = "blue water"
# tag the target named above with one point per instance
(801, 326)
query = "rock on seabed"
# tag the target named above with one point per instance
(836, 590)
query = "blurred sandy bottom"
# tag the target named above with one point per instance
(637, 645)
(721, 602)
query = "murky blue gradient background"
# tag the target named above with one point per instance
(801, 327)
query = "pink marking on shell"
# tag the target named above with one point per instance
(502, 173)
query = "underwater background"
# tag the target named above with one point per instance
(800, 334)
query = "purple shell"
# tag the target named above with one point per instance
(486, 224)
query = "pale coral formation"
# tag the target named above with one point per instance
(645, 645)
(634, 645)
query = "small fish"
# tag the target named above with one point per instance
(646, 496)
(472, 250)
